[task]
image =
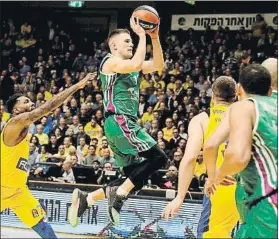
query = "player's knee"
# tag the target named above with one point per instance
(158, 156)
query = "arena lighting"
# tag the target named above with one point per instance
(191, 2)
(76, 4)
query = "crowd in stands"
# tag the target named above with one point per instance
(43, 61)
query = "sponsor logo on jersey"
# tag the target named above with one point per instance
(35, 213)
(23, 165)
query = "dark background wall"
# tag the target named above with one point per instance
(43, 11)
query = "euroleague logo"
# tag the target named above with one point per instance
(147, 25)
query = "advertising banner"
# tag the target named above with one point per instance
(233, 21)
(139, 218)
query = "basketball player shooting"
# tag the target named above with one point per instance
(14, 157)
(119, 73)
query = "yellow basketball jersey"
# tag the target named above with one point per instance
(217, 114)
(14, 163)
(223, 214)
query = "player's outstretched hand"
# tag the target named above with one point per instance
(172, 208)
(88, 77)
(136, 26)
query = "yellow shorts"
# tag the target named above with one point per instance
(219, 215)
(23, 203)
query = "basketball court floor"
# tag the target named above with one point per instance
(13, 232)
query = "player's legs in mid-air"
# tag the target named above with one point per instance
(127, 140)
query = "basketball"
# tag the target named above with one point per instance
(148, 17)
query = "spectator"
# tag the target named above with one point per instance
(62, 126)
(147, 116)
(239, 52)
(68, 145)
(207, 88)
(205, 100)
(200, 166)
(91, 157)
(154, 129)
(58, 157)
(213, 76)
(173, 143)
(5, 116)
(58, 135)
(193, 89)
(171, 85)
(105, 145)
(182, 145)
(142, 106)
(177, 157)
(170, 180)
(108, 175)
(162, 145)
(68, 117)
(97, 171)
(145, 83)
(160, 137)
(43, 155)
(82, 150)
(52, 147)
(47, 95)
(94, 142)
(46, 122)
(23, 69)
(67, 172)
(179, 91)
(33, 155)
(158, 80)
(99, 118)
(93, 129)
(82, 134)
(43, 138)
(199, 85)
(170, 98)
(168, 130)
(34, 139)
(258, 27)
(182, 133)
(74, 159)
(25, 30)
(107, 158)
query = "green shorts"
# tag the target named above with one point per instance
(126, 139)
(260, 221)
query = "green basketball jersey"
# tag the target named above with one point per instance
(274, 95)
(121, 91)
(259, 178)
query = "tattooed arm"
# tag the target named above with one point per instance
(25, 119)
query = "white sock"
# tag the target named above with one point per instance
(90, 199)
(122, 191)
